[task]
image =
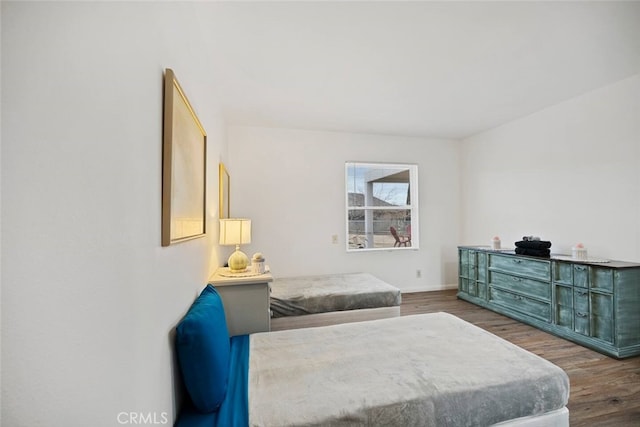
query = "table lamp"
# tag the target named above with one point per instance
(236, 231)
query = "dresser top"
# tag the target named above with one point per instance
(555, 257)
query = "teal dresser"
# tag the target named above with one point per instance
(593, 304)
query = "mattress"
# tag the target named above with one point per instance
(421, 370)
(296, 296)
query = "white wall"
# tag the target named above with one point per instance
(569, 173)
(0, 217)
(89, 296)
(291, 184)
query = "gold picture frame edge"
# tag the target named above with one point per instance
(171, 82)
(224, 199)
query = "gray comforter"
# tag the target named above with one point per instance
(422, 370)
(296, 296)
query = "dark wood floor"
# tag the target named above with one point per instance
(604, 391)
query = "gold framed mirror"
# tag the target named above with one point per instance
(184, 167)
(224, 202)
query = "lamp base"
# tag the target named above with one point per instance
(238, 262)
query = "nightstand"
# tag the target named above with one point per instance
(246, 300)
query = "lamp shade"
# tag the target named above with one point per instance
(235, 231)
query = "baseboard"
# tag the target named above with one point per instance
(443, 287)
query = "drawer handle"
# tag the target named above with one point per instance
(516, 279)
(581, 267)
(517, 261)
(579, 314)
(582, 293)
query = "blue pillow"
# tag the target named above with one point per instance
(203, 348)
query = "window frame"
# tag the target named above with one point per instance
(412, 207)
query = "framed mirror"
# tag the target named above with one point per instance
(382, 206)
(184, 167)
(224, 203)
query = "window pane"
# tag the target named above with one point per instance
(372, 228)
(378, 185)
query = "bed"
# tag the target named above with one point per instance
(298, 302)
(421, 370)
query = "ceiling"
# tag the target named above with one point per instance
(428, 69)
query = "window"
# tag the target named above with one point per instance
(382, 206)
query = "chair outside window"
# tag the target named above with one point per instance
(400, 240)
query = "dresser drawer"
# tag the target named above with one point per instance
(564, 296)
(481, 266)
(602, 279)
(520, 303)
(473, 272)
(582, 322)
(581, 299)
(595, 320)
(562, 272)
(464, 284)
(564, 316)
(521, 285)
(482, 290)
(463, 264)
(602, 305)
(602, 328)
(581, 276)
(521, 266)
(473, 288)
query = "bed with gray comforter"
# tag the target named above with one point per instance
(296, 296)
(422, 370)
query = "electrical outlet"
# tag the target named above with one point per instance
(334, 239)
(418, 274)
